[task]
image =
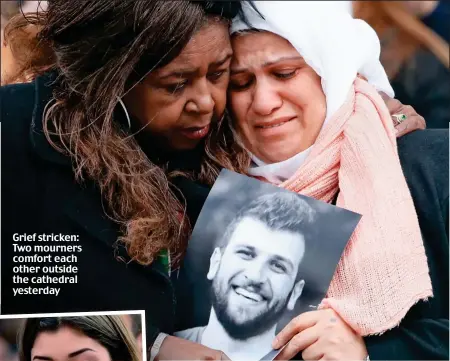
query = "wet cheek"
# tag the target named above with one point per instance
(239, 108)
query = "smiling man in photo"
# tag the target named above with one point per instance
(255, 277)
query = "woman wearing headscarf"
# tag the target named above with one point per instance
(307, 123)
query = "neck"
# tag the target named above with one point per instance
(216, 337)
(279, 172)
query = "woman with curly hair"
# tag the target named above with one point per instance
(88, 147)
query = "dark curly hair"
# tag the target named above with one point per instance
(102, 49)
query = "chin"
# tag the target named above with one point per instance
(276, 157)
(281, 153)
(185, 145)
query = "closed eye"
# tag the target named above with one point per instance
(216, 75)
(285, 75)
(176, 88)
(240, 85)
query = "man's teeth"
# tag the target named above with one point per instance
(247, 294)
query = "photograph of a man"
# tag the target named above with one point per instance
(259, 255)
(255, 275)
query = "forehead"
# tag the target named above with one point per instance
(208, 45)
(251, 232)
(260, 47)
(62, 342)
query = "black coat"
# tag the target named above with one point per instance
(39, 195)
(424, 83)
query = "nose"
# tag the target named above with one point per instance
(202, 101)
(265, 99)
(255, 272)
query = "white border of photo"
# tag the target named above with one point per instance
(99, 313)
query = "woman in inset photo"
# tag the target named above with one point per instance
(86, 338)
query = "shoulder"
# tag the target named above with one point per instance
(192, 334)
(424, 156)
(17, 104)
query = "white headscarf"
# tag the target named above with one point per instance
(334, 44)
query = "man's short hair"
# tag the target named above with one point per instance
(280, 211)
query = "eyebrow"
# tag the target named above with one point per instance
(73, 354)
(274, 257)
(267, 63)
(250, 248)
(76, 353)
(191, 71)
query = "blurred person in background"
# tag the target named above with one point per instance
(434, 14)
(9, 329)
(415, 52)
(137, 330)
(23, 54)
(13, 7)
(134, 324)
(7, 351)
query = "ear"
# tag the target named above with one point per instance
(214, 263)
(296, 293)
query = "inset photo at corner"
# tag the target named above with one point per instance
(87, 336)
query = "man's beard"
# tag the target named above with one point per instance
(251, 327)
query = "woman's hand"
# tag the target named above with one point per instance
(175, 348)
(413, 120)
(320, 335)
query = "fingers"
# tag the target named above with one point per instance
(413, 122)
(297, 325)
(223, 356)
(215, 355)
(313, 352)
(298, 343)
(384, 96)
(393, 105)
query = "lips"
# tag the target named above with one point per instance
(274, 123)
(196, 132)
(249, 295)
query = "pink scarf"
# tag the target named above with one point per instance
(383, 270)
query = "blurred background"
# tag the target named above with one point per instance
(8, 336)
(9, 330)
